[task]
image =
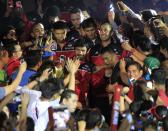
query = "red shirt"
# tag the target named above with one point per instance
(163, 97)
(13, 64)
(83, 76)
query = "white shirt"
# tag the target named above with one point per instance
(38, 111)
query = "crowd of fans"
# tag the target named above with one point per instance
(71, 72)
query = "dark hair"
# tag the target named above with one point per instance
(67, 94)
(165, 123)
(75, 10)
(33, 57)
(142, 41)
(11, 48)
(30, 124)
(159, 76)
(137, 107)
(128, 30)
(139, 67)
(60, 25)
(163, 43)
(92, 117)
(81, 42)
(52, 11)
(45, 65)
(8, 28)
(3, 117)
(161, 112)
(50, 87)
(89, 22)
(107, 49)
(138, 90)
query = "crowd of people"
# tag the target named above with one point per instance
(72, 72)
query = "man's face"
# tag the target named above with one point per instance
(76, 19)
(133, 72)
(71, 103)
(105, 32)
(109, 58)
(80, 52)
(60, 34)
(38, 31)
(90, 32)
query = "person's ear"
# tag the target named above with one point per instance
(141, 72)
(64, 101)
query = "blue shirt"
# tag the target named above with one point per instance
(25, 78)
(2, 93)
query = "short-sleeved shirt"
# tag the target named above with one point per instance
(2, 93)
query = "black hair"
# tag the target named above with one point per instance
(60, 25)
(137, 107)
(33, 57)
(165, 123)
(92, 117)
(11, 48)
(3, 117)
(142, 41)
(138, 90)
(164, 43)
(30, 124)
(128, 30)
(45, 65)
(81, 42)
(52, 11)
(161, 112)
(139, 67)
(50, 87)
(75, 10)
(89, 22)
(67, 94)
(159, 76)
(8, 28)
(107, 49)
